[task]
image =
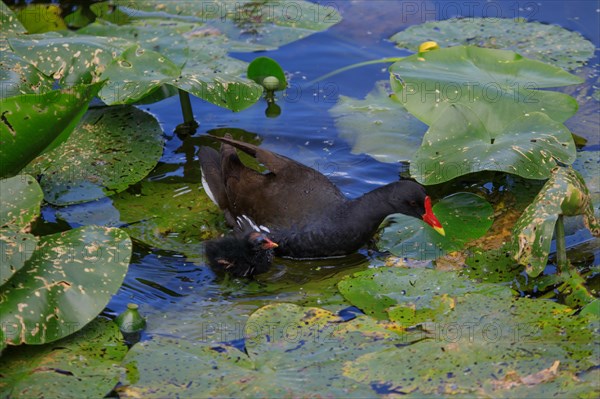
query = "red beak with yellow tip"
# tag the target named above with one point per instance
(431, 219)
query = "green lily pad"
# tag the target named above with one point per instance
(588, 165)
(544, 42)
(499, 86)
(33, 123)
(68, 280)
(263, 67)
(20, 200)
(464, 216)
(485, 341)
(378, 125)
(250, 25)
(71, 59)
(459, 143)
(175, 217)
(379, 292)
(291, 350)
(19, 77)
(110, 149)
(84, 365)
(11, 25)
(565, 193)
(144, 71)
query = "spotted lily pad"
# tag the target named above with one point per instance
(464, 216)
(290, 351)
(33, 123)
(565, 193)
(86, 364)
(378, 125)
(499, 86)
(19, 77)
(20, 199)
(482, 345)
(544, 42)
(459, 143)
(383, 292)
(176, 217)
(67, 281)
(71, 59)
(110, 149)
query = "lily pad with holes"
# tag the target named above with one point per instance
(110, 149)
(11, 26)
(383, 292)
(378, 125)
(68, 280)
(464, 216)
(499, 86)
(290, 350)
(459, 143)
(86, 364)
(71, 59)
(544, 42)
(19, 77)
(34, 123)
(565, 193)
(176, 217)
(489, 345)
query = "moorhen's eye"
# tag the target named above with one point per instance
(413, 203)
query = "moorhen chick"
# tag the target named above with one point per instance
(305, 213)
(245, 254)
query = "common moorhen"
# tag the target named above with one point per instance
(306, 214)
(245, 254)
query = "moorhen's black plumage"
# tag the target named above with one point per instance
(245, 254)
(306, 214)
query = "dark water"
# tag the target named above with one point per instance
(179, 296)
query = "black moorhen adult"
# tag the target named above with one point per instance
(245, 254)
(306, 214)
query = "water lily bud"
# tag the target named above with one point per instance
(270, 83)
(130, 321)
(428, 46)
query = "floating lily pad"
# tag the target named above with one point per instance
(379, 292)
(499, 86)
(20, 200)
(250, 25)
(110, 149)
(33, 123)
(176, 217)
(565, 193)
(291, 350)
(544, 42)
(459, 143)
(139, 72)
(86, 364)
(66, 283)
(71, 59)
(485, 340)
(19, 77)
(378, 125)
(464, 216)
